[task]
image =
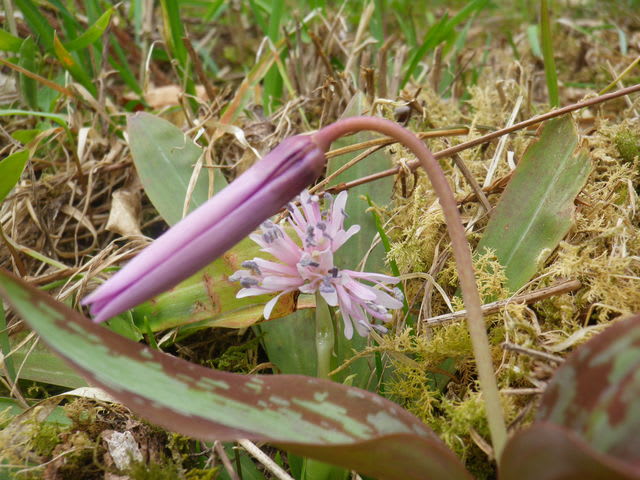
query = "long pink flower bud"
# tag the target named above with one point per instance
(213, 228)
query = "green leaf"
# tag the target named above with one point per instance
(10, 171)
(308, 416)
(8, 42)
(380, 193)
(93, 33)
(440, 32)
(29, 86)
(536, 209)
(58, 118)
(164, 158)
(40, 365)
(208, 298)
(70, 64)
(588, 421)
(37, 23)
(547, 53)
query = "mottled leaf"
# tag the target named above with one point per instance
(589, 416)
(311, 417)
(535, 211)
(165, 157)
(546, 451)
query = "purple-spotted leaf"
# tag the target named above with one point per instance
(589, 416)
(317, 418)
(546, 451)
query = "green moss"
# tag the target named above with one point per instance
(628, 144)
(45, 438)
(202, 474)
(155, 471)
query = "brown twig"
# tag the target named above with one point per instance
(197, 65)
(493, 307)
(44, 81)
(532, 353)
(491, 136)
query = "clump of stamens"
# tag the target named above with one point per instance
(307, 266)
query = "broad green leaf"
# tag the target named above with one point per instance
(10, 171)
(164, 157)
(208, 298)
(12, 408)
(536, 209)
(93, 33)
(589, 417)
(547, 51)
(8, 42)
(40, 365)
(308, 416)
(380, 193)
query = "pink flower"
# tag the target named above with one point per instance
(213, 228)
(308, 266)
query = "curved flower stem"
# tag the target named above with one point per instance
(325, 337)
(461, 252)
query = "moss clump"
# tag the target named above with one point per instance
(166, 470)
(45, 438)
(628, 144)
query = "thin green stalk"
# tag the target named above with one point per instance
(461, 251)
(325, 340)
(325, 337)
(547, 54)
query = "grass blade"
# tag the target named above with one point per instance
(93, 33)
(440, 32)
(28, 85)
(72, 66)
(272, 94)
(547, 54)
(37, 23)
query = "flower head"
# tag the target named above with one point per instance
(213, 228)
(308, 266)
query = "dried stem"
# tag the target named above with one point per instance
(529, 297)
(461, 251)
(265, 460)
(492, 136)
